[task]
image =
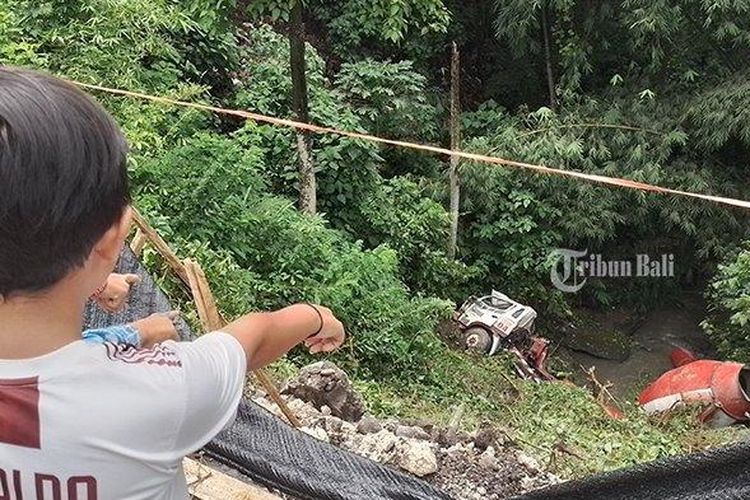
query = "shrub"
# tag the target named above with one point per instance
(280, 256)
(728, 324)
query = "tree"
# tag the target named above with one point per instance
(307, 183)
(547, 37)
(292, 13)
(357, 28)
(386, 20)
(455, 124)
(523, 24)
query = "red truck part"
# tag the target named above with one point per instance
(681, 356)
(720, 385)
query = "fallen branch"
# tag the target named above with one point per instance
(601, 389)
(563, 448)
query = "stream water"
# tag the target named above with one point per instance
(661, 331)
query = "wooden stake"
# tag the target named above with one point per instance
(208, 313)
(139, 241)
(161, 246)
(273, 393)
(211, 320)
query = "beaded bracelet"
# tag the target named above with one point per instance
(99, 290)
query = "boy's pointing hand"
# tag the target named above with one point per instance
(331, 334)
(157, 328)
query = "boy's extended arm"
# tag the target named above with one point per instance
(265, 337)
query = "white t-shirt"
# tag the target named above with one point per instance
(105, 421)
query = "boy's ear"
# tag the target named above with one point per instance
(109, 245)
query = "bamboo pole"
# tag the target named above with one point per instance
(492, 160)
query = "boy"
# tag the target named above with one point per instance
(81, 420)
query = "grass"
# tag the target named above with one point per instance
(559, 424)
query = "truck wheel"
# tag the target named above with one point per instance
(478, 340)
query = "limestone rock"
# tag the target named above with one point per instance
(421, 423)
(325, 384)
(380, 446)
(417, 457)
(488, 460)
(304, 411)
(529, 462)
(391, 424)
(316, 432)
(485, 436)
(369, 425)
(408, 431)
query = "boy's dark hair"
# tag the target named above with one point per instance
(63, 178)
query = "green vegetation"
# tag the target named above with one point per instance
(550, 82)
(729, 295)
(560, 424)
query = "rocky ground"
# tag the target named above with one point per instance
(483, 464)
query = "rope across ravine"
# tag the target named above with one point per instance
(598, 179)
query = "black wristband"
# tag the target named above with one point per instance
(320, 316)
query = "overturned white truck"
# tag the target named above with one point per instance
(496, 322)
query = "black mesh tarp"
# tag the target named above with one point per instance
(723, 473)
(264, 448)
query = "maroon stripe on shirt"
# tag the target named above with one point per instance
(19, 412)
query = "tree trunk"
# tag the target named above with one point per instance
(548, 57)
(455, 126)
(307, 185)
